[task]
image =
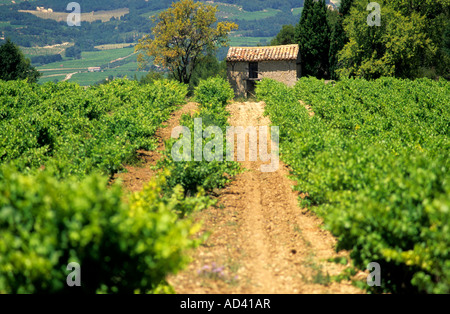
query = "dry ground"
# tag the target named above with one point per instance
(261, 241)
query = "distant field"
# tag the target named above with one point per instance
(297, 11)
(249, 41)
(5, 23)
(128, 66)
(104, 16)
(44, 51)
(232, 11)
(52, 78)
(10, 2)
(91, 59)
(86, 79)
(114, 46)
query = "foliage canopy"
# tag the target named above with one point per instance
(183, 36)
(14, 65)
(396, 48)
(312, 35)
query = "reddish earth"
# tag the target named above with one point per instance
(260, 240)
(260, 236)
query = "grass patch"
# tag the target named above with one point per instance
(45, 51)
(244, 41)
(91, 59)
(58, 70)
(297, 11)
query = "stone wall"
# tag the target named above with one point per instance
(286, 72)
(237, 73)
(282, 71)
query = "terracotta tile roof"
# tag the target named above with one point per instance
(270, 53)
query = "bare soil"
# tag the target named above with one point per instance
(260, 240)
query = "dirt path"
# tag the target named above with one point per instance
(122, 58)
(261, 241)
(137, 175)
(69, 76)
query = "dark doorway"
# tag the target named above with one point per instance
(251, 86)
(253, 70)
(252, 78)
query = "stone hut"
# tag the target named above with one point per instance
(247, 65)
(94, 69)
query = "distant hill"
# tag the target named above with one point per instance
(45, 36)
(258, 21)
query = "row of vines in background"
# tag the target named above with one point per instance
(374, 162)
(74, 131)
(59, 145)
(202, 176)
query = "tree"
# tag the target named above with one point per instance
(393, 49)
(183, 36)
(446, 41)
(338, 38)
(73, 52)
(209, 67)
(39, 60)
(14, 65)
(437, 14)
(312, 35)
(344, 7)
(286, 36)
(430, 8)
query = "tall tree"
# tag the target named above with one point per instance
(395, 48)
(344, 7)
(437, 14)
(209, 67)
(338, 38)
(312, 34)
(14, 65)
(183, 36)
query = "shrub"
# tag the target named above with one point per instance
(121, 247)
(203, 175)
(214, 91)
